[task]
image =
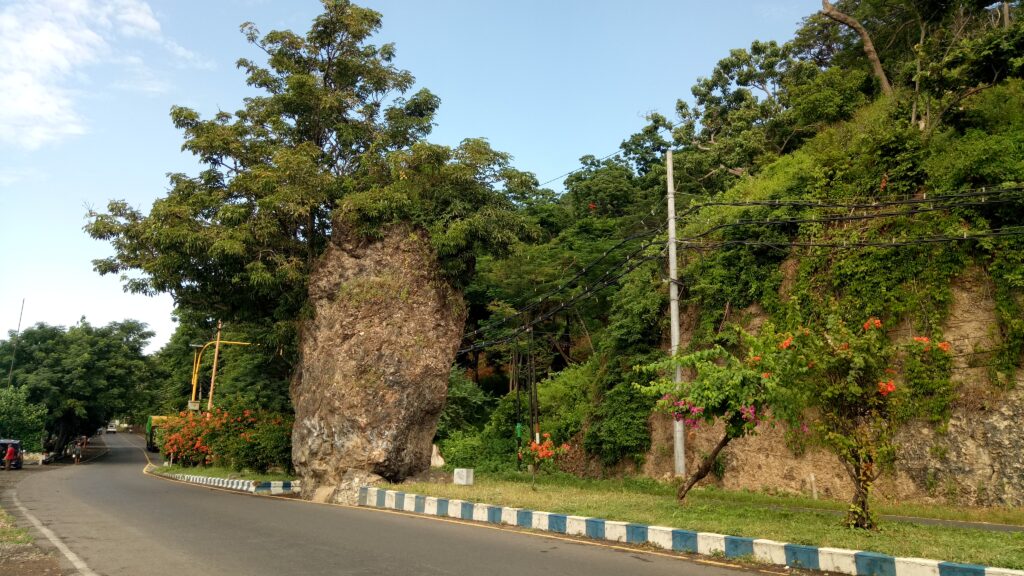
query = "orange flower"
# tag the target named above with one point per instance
(944, 346)
(921, 339)
(766, 375)
(755, 359)
(872, 323)
(785, 344)
(886, 388)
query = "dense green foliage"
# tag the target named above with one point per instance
(787, 157)
(83, 376)
(804, 121)
(21, 419)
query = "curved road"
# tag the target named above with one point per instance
(119, 521)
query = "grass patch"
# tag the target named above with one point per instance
(783, 518)
(11, 534)
(218, 472)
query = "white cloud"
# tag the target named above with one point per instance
(47, 45)
(10, 175)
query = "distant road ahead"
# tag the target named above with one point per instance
(122, 522)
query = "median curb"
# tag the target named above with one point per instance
(854, 562)
(251, 486)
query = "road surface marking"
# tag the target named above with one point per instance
(734, 566)
(77, 562)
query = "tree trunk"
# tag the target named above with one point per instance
(705, 468)
(859, 515)
(917, 80)
(869, 47)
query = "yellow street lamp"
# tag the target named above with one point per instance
(197, 361)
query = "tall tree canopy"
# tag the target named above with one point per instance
(335, 125)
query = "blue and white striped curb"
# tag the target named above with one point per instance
(855, 562)
(285, 487)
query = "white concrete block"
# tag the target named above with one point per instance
(409, 503)
(1002, 572)
(576, 525)
(463, 476)
(480, 512)
(430, 506)
(510, 516)
(770, 551)
(838, 560)
(616, 531)
(660, 536)
(708, 543)
(540, 520)
(389, 499)
(455, 508)
(917, 567)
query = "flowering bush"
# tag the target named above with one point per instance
(537, 454)
(861, 388)
(847, 389)
(723, 388)
(254, 440)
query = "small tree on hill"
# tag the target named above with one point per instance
(727, 385)
(849, 390)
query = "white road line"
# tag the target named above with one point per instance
(77, 562)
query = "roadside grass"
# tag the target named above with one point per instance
(219, 472)
(782, 518)
(11, 534)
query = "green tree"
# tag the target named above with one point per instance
(237, 240)
(85, 375)
(22, 419)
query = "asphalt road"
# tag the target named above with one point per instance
(119, 521)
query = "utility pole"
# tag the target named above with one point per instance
(213, 377)
(678, 432)
(14, 349)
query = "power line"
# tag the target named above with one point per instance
(540, 300)
(588, 292)
(905, 201)
(571, 172)
(998, 232)
(604, 281)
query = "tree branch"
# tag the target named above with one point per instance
(830, 11)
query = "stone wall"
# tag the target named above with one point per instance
(976, 459)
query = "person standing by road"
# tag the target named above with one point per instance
(9, 456)
(76, 451)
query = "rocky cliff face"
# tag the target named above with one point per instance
(375, 358)
(976, 459)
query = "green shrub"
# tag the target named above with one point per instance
(495, 447)
(466, 409)
(253, 440)
(620, 427)
(565, 401)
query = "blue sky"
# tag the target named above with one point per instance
(86, 86)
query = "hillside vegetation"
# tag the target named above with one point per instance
(845, 177)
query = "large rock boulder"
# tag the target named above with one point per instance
(374, 364)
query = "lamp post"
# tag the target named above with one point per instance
(198, 360)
